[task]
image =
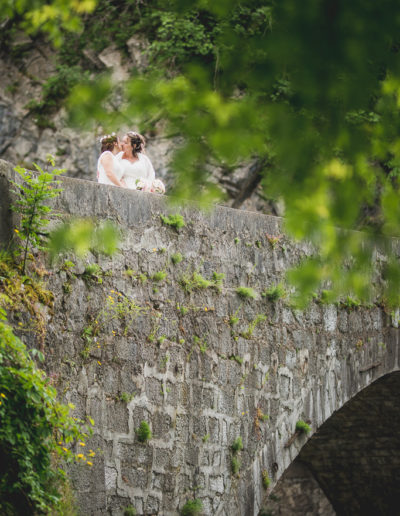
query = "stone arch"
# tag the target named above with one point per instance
(354, 456)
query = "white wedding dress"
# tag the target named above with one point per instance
(117, 168)
(140, 169)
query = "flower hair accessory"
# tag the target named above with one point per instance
(107, 138)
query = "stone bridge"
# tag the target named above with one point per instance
(160, 333)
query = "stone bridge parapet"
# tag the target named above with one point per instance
(159, 333)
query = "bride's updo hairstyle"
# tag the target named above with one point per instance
(137, 141)
(108, 142)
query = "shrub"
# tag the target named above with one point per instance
(176, 221)
(266, 481)
(159, 276)
(31, 205)
(142, 278)
(125, 397)
(192, 508)
(233, 320)
(237, 445)
(235, 465)
(54, 90)
(274, 293)
(129, 511)
(246, 292)
(303, 427)
(237, 359)
(351, 303)
(144, 432)
(176, 258)
(34, 429)
(196, 281)
(218, 279)
(93, 269)
(249, 332)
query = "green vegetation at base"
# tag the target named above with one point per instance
(36, 432)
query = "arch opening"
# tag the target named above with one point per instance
(354, 458)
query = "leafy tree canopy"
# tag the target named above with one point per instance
(310, 91)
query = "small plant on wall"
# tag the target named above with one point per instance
(302, 427)
(266, 481)
(143, 432)
(246, 293)
(237, 447)
(31, 204)
(176, 221)
(192, 508)
(176, 258)
(275, 292)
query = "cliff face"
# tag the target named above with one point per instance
(160, 333)
(25, 140)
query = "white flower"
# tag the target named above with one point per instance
(143, 184)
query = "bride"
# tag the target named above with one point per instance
(136, 166)
(109, 168)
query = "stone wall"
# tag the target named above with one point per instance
(125, 346)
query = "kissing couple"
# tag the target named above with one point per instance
(124, 163)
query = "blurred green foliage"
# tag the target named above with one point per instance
(36, 431)
(52, 17)
(312, 90)
(83, 235)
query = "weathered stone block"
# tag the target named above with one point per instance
(117, 416)
(161, 425)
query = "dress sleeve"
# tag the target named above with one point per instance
(150, 173)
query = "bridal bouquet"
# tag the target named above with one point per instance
(144, 185)
(156, 186)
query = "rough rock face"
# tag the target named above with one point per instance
(23, 142)
(141, 338)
